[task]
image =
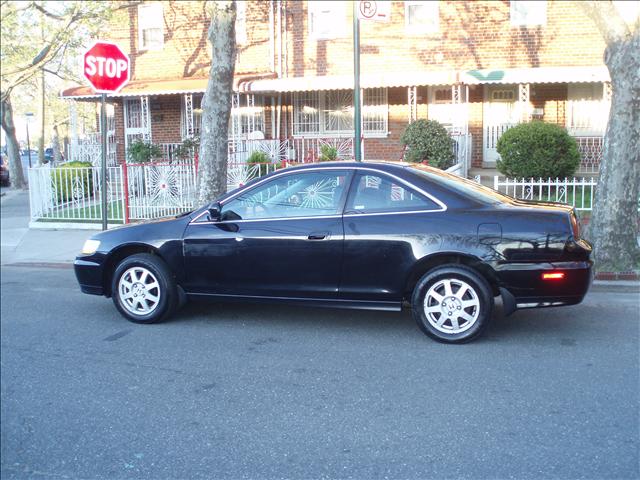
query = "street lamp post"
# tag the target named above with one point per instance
(28, 115)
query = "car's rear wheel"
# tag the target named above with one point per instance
(452, 304)
(143, 289)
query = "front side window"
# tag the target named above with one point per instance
(421, 17)
(327, 20)
(306, 194)
(587, 111)
(150, 27)
(374, 193)
(525, 13)
(331, 112)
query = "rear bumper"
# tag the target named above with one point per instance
(89, 276)
(524, 283)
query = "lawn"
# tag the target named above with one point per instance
(87, 214)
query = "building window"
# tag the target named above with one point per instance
(506, 95)
(241, 23)
(587, 111)
(327, 20)
(330, 113)
(526, 13)
(247, 117)
(306, 113)
(150, 27)
(421, 17)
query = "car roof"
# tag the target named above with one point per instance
(380, 164)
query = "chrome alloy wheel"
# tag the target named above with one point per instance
(139, 291)
(452, 306)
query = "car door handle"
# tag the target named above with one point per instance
(319, 236)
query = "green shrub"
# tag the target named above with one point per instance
(142, 152)
(73, 180)
(328, 153)
(538, 150)
(186, 150)
(262, 160)
(428, 141)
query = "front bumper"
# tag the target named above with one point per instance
(89, 276)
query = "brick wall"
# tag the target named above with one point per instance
(471, 35)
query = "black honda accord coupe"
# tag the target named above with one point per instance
(370, 235)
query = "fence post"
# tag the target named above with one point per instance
(125, 190)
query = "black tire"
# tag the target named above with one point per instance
(166, 290)
(475, 303)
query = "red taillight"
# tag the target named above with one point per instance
(553, 276)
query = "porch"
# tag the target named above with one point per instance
(287, 121)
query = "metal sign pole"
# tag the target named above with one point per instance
(103, 135)
(356, 84)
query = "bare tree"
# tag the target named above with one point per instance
(13, 149)
(216, 104)
(614, 223)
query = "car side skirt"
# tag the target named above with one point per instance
(310, 302)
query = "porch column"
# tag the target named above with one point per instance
(188, 116)
(459, 98)
(145, 117)
(523, 100)
(412, 103)
(235, 116)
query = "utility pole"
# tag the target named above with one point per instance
(356, 84)
(42, 100)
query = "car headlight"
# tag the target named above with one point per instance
(90, 247)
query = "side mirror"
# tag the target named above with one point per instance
(215, 212)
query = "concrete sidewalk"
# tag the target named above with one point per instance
(20, 244)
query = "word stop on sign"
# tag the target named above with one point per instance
(105, 67)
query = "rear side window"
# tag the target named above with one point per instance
(377, 193)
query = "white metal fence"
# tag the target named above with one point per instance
(134, 191)
(590, 149)
(579, 192)
(159, 190)
(65, 194)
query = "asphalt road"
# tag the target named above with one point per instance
(250, 391)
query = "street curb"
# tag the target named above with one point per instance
(61, 265)
(618, 276)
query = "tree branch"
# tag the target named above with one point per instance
(611, 25)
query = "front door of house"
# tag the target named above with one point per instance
(135, 126)
(499, 114)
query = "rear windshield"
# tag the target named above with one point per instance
(467, 188)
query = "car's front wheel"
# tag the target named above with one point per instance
(452, 304)
(143, 289)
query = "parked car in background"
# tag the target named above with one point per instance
(4, 170)
(49, 156)
(354, 235)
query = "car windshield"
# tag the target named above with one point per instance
(460, 185)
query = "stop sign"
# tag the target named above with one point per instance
(106, 67)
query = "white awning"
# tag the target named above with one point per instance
(344, 82)
(536, 75)
(450, 77)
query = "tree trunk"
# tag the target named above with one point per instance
(614, 224)
(16, 175)
(216, 104)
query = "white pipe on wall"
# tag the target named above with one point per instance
(279, 26)
(272, 38)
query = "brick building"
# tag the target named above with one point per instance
(478, 67)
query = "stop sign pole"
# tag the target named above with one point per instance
(107, 68)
